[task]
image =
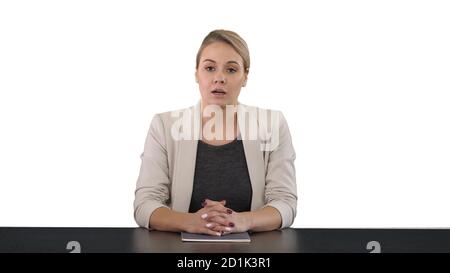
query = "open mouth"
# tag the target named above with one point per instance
(218, 92)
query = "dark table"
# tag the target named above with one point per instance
(138, 240)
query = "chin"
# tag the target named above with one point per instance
(218, 102)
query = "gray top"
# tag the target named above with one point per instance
(221, 174)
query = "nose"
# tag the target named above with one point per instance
(219, 78)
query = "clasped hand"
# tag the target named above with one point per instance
(216, 219)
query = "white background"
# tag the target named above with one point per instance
(364, 86)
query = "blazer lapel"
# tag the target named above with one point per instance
(253, 156)
(183, 181)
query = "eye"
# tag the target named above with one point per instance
(209, 68)
(232, 70)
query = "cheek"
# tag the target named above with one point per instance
(204, 87)
(203, 81)
(236, 86)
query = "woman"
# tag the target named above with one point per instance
(208, 169)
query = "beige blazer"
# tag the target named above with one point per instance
(167, 164)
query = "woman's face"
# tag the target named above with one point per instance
(220, 74)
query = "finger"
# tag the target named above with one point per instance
(205, 213)
(219, 208)
(211, 225)
(212, 214)
(226, 222)
(223, 221)
(210, 232)
(209, 202)
(219, 220)
(212, 211)
(227, 231)
(218, 228)
(223, 230)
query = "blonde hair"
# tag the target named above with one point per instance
(231, 38)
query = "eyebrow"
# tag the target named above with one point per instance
(209, 60)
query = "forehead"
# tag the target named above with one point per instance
(221, 53)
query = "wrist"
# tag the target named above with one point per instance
(247, 220)
(184, 224)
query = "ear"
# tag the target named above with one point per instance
(196, 77)
(245, 81)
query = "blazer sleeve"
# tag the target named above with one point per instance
(153, 183)
(281, 188)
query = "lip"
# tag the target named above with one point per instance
(218, 95)
(218, 89)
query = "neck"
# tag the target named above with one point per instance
(216, 118)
